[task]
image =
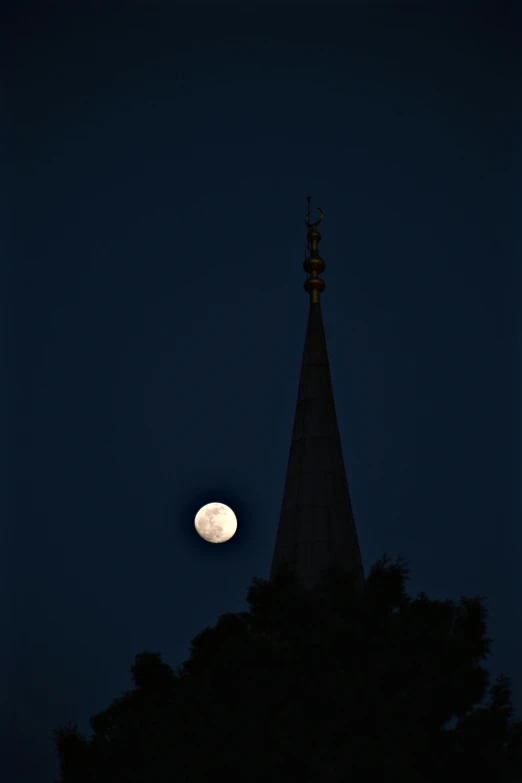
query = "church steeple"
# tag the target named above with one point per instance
(316, 525)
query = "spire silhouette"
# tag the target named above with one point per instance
(316, 525)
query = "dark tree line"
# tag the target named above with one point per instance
(323, 685)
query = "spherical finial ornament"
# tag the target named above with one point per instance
(314, 264)
(312, 284)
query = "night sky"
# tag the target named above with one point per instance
(158, 160)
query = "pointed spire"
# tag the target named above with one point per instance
(316, 525)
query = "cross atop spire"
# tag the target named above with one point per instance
(316, 525)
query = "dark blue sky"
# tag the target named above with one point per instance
(159, 163)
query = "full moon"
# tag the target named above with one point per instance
(216, 523)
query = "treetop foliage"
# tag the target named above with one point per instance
(326, 684)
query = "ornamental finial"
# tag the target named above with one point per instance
(313, 264)
(307, 216)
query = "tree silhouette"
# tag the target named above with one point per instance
(327, 684)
